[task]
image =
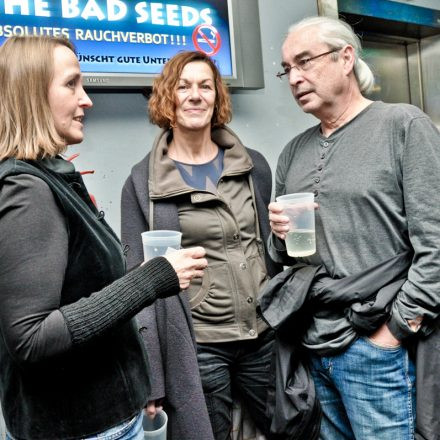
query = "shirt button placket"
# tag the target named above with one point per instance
(317, 179)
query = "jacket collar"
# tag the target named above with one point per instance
(165, 179)
(58, 165)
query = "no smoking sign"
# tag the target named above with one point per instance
(206, 39)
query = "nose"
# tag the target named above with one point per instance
(85, 101)
(195, 92)
(295, 76)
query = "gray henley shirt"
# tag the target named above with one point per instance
(377, 182)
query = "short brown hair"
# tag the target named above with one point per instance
(27, 129)
(162, 103)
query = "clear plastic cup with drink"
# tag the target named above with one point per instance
(300, 208)
(160, 242)
(155, 429)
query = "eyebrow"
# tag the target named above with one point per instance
(72, 75)
(304, 53)
(202, 81)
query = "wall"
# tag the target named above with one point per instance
(118, 133)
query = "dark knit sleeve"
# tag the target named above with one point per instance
(89, 317)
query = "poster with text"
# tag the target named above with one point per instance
(122, 36)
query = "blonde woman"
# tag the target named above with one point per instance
(71, 363)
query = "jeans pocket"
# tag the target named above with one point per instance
(119, 432)
(381, 347)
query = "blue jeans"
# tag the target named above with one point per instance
(240, 367)
(131, 430)
(366, 392)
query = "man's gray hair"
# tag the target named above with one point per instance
(336, 34)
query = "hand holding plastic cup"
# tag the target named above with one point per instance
(159, 243)
(155, 428)
(300, 208)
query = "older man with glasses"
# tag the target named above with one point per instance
(374, 170)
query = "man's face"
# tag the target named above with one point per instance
(316, 89)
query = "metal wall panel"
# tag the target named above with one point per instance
(389, 64)
(430, 60)
(415, 74)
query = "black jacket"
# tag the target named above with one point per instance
(428, 385)
(366, 296)
(99, 379)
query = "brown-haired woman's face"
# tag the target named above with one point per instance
(195, 96)
(67, 98)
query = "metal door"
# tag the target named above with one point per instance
(396, 64)
(389, 63)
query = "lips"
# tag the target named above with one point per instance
(299, 95)
(78, 118)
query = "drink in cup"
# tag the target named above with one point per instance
(299, 207)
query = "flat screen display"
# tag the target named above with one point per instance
(126, 43)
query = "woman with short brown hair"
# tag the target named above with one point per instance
(161, 106)
(200, 179)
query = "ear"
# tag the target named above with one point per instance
(347, 55)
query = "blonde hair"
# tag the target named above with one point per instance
(336, 34)
(162, 103)
(27, 129)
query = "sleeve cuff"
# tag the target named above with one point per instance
(399, 332)
(277, 250)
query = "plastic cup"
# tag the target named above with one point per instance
(157, 428)
(299, 207)
(160, 242)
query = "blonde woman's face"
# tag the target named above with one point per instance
(67, 98)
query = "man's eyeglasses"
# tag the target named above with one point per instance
(304, 64)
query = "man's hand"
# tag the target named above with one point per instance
(279, 223)
(384, 338)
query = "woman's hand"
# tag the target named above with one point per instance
(279, 223)
(152, 408)
(188, 264)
